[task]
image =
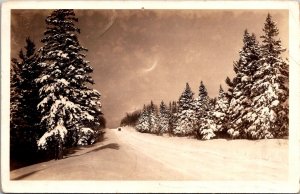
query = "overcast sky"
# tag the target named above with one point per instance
(143, 55)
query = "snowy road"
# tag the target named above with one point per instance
(128, 155)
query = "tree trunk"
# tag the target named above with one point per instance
(60, 149)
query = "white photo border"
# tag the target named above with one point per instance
(290, 185)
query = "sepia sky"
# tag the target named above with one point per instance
(143, 55)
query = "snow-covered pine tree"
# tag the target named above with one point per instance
(143, 121)
(269, 92)
(153, 119)
(173, 116)
(202, 102)
(14, 92)
(186, 118)
(24, 121)
(70, 108)
(220, 113)
(201, 106)
(207, 128)
(204, 126)
(164, 118)
(240, 103)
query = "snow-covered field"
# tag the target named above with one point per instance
(129, 155)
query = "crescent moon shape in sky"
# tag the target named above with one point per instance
(152, 67)
(110, 23)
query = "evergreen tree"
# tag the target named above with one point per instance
(269, 116)
(14, 92)
(202, 106)
(173, 117)
(245, 69)
(143, 121)
(164, 118)
(220, 113)
(69, 107)
(207, 127)
(153, 119)
(24, 120)
(204, 125)
(186, 118)
(202, 103)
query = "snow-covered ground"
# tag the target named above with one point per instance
(129, 155)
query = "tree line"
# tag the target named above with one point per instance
(53, 105)
(255, 105)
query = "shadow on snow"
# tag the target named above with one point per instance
(26, 175)
(114, 146)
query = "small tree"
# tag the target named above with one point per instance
(143, 124)
(173, 117)
(24, 120)
(202, 106)
(186, 118)
(220, 113)
(164, 118)
(153, 119)
(207, 127)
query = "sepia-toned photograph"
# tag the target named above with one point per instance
(148, 93)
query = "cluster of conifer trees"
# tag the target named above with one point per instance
(52, 102)
(255, 106)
